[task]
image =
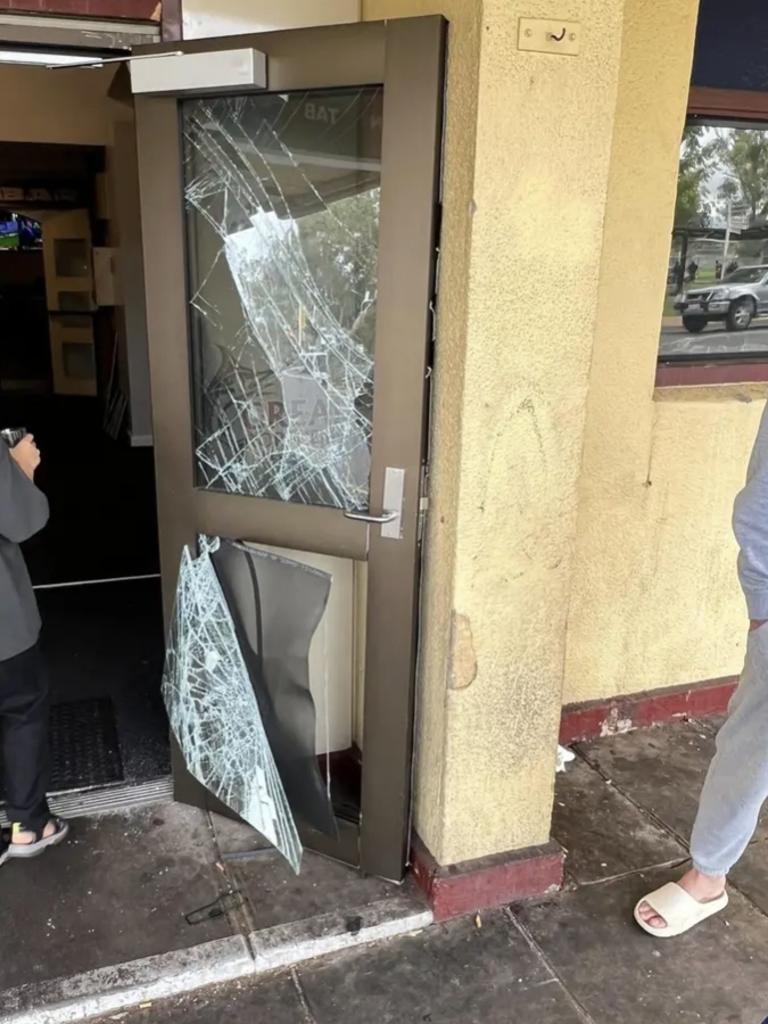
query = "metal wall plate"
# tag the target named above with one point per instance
(211, 72)
(546, 35)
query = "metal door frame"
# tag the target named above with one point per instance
(406, 56)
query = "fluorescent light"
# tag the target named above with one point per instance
(44, 58)
(98, 62)
(69, 59)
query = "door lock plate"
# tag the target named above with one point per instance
(394, 496)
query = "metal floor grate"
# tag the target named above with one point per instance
(85, 750)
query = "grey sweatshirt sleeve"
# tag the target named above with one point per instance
(750, 524)
(23, 508)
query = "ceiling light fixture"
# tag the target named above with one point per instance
(56, 60)
(100, 61)
(38, 58)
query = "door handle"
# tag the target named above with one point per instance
(366, 517)
(390, 521)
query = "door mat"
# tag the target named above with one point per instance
(85, 750)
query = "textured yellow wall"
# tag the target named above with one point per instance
(512, 368)
(655, 600)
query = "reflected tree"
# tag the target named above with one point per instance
(693, 207)
(742, 157)
(341, 246)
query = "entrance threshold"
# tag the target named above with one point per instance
(83, 803)
(91, 583)
(148, 904)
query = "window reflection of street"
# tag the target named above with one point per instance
(716, 300)
(715, 338)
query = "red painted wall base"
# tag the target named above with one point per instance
(620, 714)
(523, 874)
(477, 885)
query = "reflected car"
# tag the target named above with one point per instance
(735, 301)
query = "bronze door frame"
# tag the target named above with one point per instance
(406, 57)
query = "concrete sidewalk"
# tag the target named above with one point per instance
(156, 900)
(623, 811)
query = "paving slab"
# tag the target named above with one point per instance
(272, 1001)
(662, 769)
(603, 832)
(751, 875)
(453, 973)
(234, 838)
(716, 974)
(711, 723)
(276, 896)
(116, 891)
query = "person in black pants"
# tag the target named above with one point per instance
(23, 688)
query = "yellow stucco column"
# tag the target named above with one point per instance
(527, 170)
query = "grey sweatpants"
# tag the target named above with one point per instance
(737, 782)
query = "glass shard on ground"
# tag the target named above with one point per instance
(213, 711)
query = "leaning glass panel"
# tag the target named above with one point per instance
(213, 710)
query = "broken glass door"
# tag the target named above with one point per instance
(282, 214)
(282, 196)
(289, 245)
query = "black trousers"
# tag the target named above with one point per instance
(24, 712)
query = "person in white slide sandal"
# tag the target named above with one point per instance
(671, 910)
(736, 785)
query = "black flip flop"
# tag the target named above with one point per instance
(41, 841)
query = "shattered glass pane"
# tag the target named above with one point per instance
(276, 605)
(213, 711)
(282, 198)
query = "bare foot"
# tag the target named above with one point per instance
(27, 838)
(703, 888)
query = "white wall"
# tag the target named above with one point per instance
(233, 17)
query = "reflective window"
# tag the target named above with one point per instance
(716, 301)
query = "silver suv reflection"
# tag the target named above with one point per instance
(737, 300)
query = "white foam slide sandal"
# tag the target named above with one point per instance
(679, 909)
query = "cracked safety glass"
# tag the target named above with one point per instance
(213, 710)
(276, 605)
(282, 220)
